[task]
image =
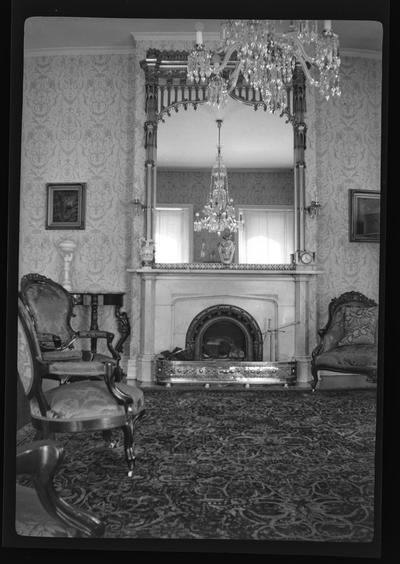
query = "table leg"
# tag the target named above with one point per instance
(124, 327)
(94, 322)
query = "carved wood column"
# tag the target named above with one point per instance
(150, 143)
(299, 139)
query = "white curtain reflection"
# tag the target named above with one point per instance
(172, 234)
(266, 237)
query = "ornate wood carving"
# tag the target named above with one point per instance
(348, 298)
(168, 90)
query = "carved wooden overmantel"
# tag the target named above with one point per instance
(168, 90)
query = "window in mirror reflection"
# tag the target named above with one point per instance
(173, 239)
(266, 236)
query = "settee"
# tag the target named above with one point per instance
(348, 342)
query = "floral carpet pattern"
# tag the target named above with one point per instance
(233, 464)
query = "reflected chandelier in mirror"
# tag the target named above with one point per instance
(167, 89)
(219, 211)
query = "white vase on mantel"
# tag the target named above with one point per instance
(67, 248)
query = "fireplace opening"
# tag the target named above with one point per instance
(224, 339)
(224, 332)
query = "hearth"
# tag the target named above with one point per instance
(267, 316)
(223, 345)
(224, 331)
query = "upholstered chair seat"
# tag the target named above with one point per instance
(87, 400)
(348, 356)
(77, 368)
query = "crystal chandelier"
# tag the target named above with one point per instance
(219, 212)
(260, 54)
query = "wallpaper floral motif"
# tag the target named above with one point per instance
(83, 118)
(78, 127)
(348, 156)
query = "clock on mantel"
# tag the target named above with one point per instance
(305, 257)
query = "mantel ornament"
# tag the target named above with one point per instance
(147, 251)
(226, 248)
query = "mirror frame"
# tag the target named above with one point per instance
(167, 90)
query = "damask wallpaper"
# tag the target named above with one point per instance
(78, 126)
(348, 156)
(83, 118)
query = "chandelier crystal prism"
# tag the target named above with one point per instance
(219, 212)
(262, 54)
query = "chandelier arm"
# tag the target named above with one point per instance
(227, 56)
(235, 76)
(307, 72)
(303, 60)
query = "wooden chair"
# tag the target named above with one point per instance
(83, 405)
(51, 308)
(40, 511)
(349, 339)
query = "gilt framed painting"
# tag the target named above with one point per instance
(66, 205)
(364, 216)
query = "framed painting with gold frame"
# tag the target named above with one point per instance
(66, 205)
(364, 216)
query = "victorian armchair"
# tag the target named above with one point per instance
(349, 339)
(51, 309)
(39, 510)
(79, 406)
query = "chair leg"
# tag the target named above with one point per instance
(128, 430)
(314, 372)
(128, 445)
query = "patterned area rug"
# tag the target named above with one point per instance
(229, 464)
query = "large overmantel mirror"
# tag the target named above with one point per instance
(264, 157)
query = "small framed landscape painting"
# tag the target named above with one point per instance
(66, 205)
(364, 216)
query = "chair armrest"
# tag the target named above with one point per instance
(40, 460)
(328, 340)
(94, 334)
(118, 395)
(55, 342)
(97, 334)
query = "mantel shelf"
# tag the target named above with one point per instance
(222, 272)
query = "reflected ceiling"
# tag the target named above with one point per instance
(249, 139)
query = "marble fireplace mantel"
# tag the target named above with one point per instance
(280, 297)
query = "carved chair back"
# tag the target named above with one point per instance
(27, 344)
(334, 330)
(29, 357)
(51, 308)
